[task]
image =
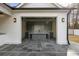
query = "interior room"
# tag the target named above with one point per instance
(39, 28)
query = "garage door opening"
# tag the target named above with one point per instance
(38, 28)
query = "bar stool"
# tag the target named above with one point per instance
(30, 36)
(46, 36)
(26, 35)
(51, 35)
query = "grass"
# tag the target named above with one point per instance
(74, 38)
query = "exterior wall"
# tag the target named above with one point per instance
(14, 30)
(60, 26)
(38, 25)
(10, 29)
(61, 30)
(3, 37)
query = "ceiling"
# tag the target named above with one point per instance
(15, 5)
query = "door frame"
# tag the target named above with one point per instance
(39, 17)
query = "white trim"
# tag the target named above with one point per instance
(60, 6)
(55, 4)
(5, 9)
(20, 5)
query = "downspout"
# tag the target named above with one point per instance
(67, 26)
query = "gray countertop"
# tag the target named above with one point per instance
(43, 33)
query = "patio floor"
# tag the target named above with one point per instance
(34, 48)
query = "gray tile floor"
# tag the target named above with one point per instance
(34, 48)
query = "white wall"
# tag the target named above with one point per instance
(3, 29)
(3, 39)
(61, 26)
(14, 30)
(8, 27)
(62, 30)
